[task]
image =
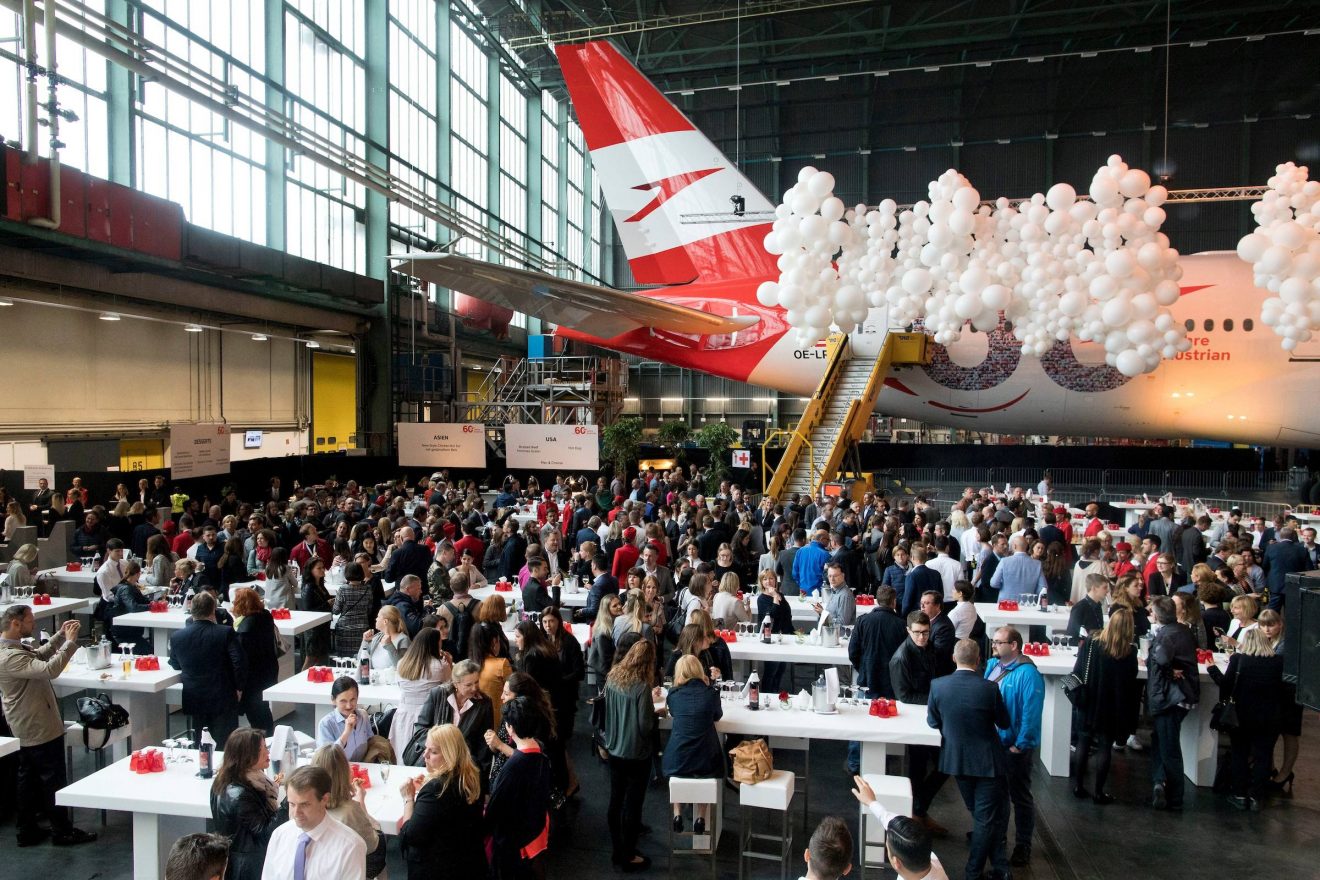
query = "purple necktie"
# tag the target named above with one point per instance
(300, 856)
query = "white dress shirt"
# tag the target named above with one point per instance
(884, 816)
(950, 571)
(110, 575)
(337, 852)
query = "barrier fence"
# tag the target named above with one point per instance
(1100, 481)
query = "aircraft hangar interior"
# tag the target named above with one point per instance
(478, 438)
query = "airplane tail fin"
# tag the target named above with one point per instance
(683, 211)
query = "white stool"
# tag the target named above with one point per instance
(697, 791)
(73, 737)
(894, 793)
(775, 793)
(798, 744)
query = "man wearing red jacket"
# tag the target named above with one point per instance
(310, 546)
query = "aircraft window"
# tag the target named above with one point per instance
(1228, 325)
(1190, 325)
(1248, 325)
(1209, 324)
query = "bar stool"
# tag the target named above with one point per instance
(894, 793)
(73, 737)
(697, 791)
(803, 745)
(775, 793)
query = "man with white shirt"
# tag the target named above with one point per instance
(950, 570)
(906, 840)
(111, 572)
(313, 845)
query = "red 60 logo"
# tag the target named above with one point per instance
(581, 430)
(471, 429)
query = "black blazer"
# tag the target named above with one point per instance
(966, 709)
(920, 579)
(210, 657)
(242, 814)
(942, 640)
(443, 838)
(875, 639)
(411, 558)
(256, 633)
(519, 801)
(1256, 685)
(478, 719)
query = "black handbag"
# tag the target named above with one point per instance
(1074, 687)
(98, 713)
(1224, 715)
(382, 721)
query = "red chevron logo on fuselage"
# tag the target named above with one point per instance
(668, 188)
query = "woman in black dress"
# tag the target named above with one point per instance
(534, 655)
(1254, 681)
(257, 633)
(315, 597)
(1290, 722)
(245, 804)
(1107, 710)
(772, 604)
(693, 750)
(441, 827)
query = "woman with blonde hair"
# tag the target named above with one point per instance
(634, 618)
(388, 642)
(1254, 682)
(716, 646)
(600, 654)
(1270, 624)
(1244, 609)
(1189, 614)
(1127, 594)
(693, 750)
(441, 830)
(21, 565)
(14, 519)
(348, 804)
(422, 668)
(726, 606)
(1111, 701)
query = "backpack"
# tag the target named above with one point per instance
(461, 624)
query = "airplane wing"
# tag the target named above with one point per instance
(602, 312)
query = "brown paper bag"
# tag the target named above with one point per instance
(752, 761)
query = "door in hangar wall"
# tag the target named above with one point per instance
(334, 402)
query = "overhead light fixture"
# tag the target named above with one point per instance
(1197, 44)
(934, 68)
(1255, 38)
(1089, 54)
(192, 328)
(6, 302)
(312, 343)
(784, 82)
(909, 149)
(1200, 125)
(352, 350)
(1141, 50)
(1301, 116)
(1002, 141)
(1099, 134)
(864, 151)
(735, 88)
(109, 316)
(983, 64)
(1147, 126)
(831, 79)
(880, 73)
(1051, 136)
(818, 155)
(1250, 118)
(260, 337)
(1035, 59)
(686, 91)
(776, 158)
(955, 143)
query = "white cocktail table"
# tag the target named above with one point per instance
(141, 693)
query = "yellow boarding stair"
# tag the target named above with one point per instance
(837, 414)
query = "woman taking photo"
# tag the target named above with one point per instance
(459, 702)
(352, 610)
(245, 804)
(420, 670)
(441, 827)
(348, 804)
(630, 696)
(1110, 703)
(693, 750)
(1254, 682)
(315, 597)
(259, 638)
(388, 642)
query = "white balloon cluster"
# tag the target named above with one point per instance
(1285, 253)
(1053, 265)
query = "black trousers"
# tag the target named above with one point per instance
(1089, 743)
(1020, 765)
(628, 782)
(41, 773)
(257, 710)
(220, 725)
(1166, 765)
(987, 801)
(923, 770)
(1251, 755)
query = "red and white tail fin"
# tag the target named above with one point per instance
(670, 191)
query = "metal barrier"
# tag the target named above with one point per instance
(1102, 481)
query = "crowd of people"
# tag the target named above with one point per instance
(488, 710)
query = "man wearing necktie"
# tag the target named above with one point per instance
(313, 845)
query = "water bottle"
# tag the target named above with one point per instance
(188, 600)
(753, 692)
(206, 754)
(1044, 600)
(767, 628)
(364, 666)
(96, 562)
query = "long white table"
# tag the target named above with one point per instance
(141, 693)
(73, 584)
(1132, 510)
(8, 745)
(1200, 744)
(58, 607)
(569, 598)
(166, 806)
(1055, 618)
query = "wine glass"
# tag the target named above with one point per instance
(384, 767)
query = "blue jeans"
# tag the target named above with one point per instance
(987, 799)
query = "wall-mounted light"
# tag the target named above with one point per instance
(312, 343)
(192, 328)
(109, 316)
(260, 337)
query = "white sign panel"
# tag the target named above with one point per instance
(442, 445)
(34, 472)
(252, 440)
(198, 450)
(552, 447)
(742, 458)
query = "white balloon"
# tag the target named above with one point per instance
(916, 281)
(820, 184)
(1117, 312)
(1060, 197)
(806, 173)
(966, 198)
(1072, 303)
(1276, 260)
(1120, 264)
(832, 208)
(1134, 183)
(767, 293)
(817, 315)
(1104, 190)
(1130, 363)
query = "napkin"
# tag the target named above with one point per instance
(832, 682)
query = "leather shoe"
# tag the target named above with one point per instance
(634, 867)
(1158, 800)
(1239, 802)
(678, 822)
(73, 837)
(699, 825)
(1021, 856)
(1080, 792)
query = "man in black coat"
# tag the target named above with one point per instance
(1089, 612)
(875, 638)
(1172, 687)
(911, 671)
(1282, 558)
(408, 557)
(214, 669)
(920, 578)
(967, 709)
(513, 553)
(942, 635)
(536, 597)
(1191, 547)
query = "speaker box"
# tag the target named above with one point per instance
(1301, 642)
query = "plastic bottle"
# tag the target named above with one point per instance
(753, 692)
(767, 628)
(1044, 601)
(364, 665)
(206, 754)
(188, 600)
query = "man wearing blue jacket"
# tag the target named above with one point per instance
(809, 564)
(1023, 689)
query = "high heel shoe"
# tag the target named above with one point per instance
(699, 825)
(678, 823)
(1283, 787)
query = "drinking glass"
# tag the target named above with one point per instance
(384, 771)
(125, 658)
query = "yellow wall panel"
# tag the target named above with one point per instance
(141, 455)
(334, 402)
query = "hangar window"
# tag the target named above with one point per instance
(1209, 324)
(1228, 325)
(1190, 325)
(1248, 325)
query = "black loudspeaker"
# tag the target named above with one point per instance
(1301, 642)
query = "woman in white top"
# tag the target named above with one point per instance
(468, 565)
(159, 564)
(281, 586)
(1244, 610)
(726, 606)
(389, 641)
(1090, 563)
(963, 615)
(14, 519)
(421, 670)
(770, 556)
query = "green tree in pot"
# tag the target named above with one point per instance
(622, 442)
(719, 438)
(672, 435)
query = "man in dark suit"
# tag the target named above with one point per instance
(967, 709)
(144, 531)
(1191, 547)
(875, 638)
(911, 671)
(40, 501)
(651, 567)
(942, 636)
(920, 579)
(210, 657)
(708, 543)
(602, 586)
(408, 557)
(1282, 558)
(513, 555)
(535, 596)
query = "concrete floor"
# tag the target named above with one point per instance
(1074, 839)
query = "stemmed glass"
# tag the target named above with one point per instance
(384, 767)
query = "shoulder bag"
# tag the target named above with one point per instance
(98, 713)
(1224, 715)
(1074, 687)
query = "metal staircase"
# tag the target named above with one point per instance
(836, 416)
